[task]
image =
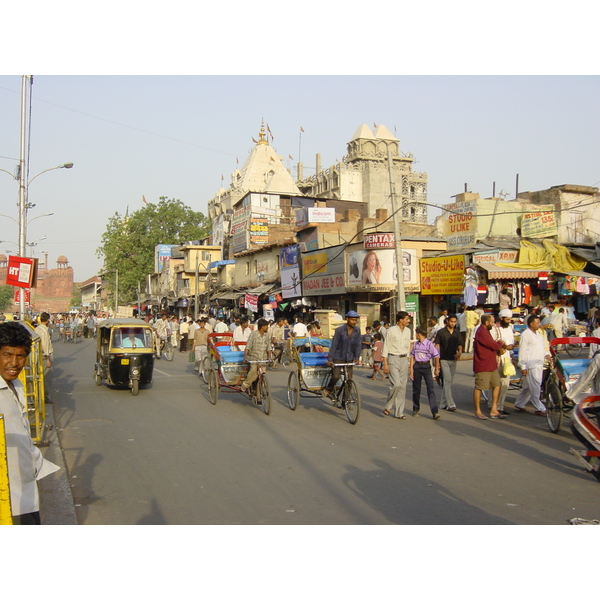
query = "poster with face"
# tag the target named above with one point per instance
(378, 267)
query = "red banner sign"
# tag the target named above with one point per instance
(21, 271)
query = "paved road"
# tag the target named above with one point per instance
(168, 456)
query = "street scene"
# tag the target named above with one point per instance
(302, 339)
(168, 456)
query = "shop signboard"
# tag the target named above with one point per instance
(442, 275)
(240, 219)
(370, 270)
(486, 258)
(27, 296)
(259, 230)
(379, 240)
(251, 302)
(323, 272)
(162, 256)
(314, 214)
(239, 241)
(460, 223)
(539, 225)
(411, 302)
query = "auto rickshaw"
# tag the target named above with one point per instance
(124, 353)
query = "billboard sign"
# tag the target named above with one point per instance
(460, 223)
(323, 272)
(289, 269)
(162, 256)
(539, 225)
(486, 258)
(370, 270)
(315, 214)
(379, 240)
(442, 275)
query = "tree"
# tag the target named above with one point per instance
(128, 244)
(7, 297)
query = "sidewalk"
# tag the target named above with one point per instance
(56, 501)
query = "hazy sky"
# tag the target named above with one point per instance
(176, 136)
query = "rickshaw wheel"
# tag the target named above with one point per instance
(97, 377)
(213, 386)
(293, 391)
(264, 394)
(554, 412)
(135, 387)
(205, 368)
(351, 401)
(574, 350)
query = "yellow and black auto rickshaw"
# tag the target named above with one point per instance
(124, 353)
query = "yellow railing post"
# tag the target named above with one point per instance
(5, 508)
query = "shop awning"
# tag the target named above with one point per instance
(227, 296)
(496, 272)
(261, 289)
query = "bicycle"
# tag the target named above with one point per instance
(282, 355)
(165, 348)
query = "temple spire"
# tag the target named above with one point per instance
(262, 138)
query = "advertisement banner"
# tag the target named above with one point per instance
(162, 255)
(442, 275)
(323, 272)
(290, 272)
(460, 223)
(259, 230)
(486, 258)
(251, 302)
(21, 271)
(306, 215)
(240, 219)
(370, 270)
(27, 293)
(538, 225)
(379, 240)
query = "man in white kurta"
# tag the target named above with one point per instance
(25, 462)
(532, 353)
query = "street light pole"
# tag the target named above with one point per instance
(22, 175)
(400, 299)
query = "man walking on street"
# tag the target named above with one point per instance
(48, 352)
(448, 341)
(485, 367)
(421, 355)
(200, 344)
(532, 353)
(396, 348)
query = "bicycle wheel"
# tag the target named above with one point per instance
(205, 368)
(213, 386)
(287, 359)
(351, 400)
(554, 409)
(293, 391)
(574, 350)
(264, 394)
(169, 351)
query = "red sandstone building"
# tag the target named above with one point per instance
(54, 289)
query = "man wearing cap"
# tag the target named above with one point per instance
(503, 332)
(396, 348)
(346, 347)
(200, 343)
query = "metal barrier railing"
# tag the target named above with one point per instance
(5, 507)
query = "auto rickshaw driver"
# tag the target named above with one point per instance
(131, 341)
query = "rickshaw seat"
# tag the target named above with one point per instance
(313, 359)
(231, 356)
(572, 367)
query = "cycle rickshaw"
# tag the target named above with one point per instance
(227, 370)
(585, 425)
(313, 374)
(560, 376)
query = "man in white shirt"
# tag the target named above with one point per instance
(184, 329)
(532, 353)
(503, 331)
(25, 462)
(47, 351)
(241, 334)
(396, 348)
(221, 326)
(190, 341)
(300, 330)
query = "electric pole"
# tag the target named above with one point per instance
(400, 299)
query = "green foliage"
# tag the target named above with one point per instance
(7, 297)
(128, 242)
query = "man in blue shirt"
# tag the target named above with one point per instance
(345, 348)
